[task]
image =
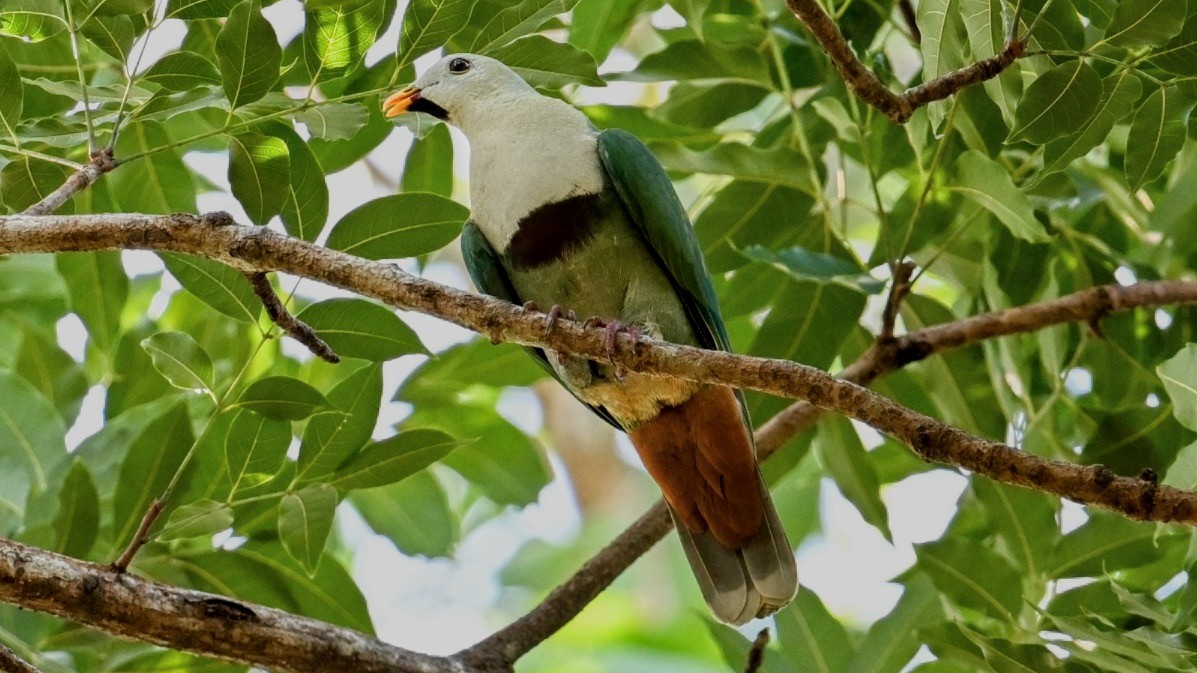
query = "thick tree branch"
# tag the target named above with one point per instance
(192, 621)
(869, 88)
(101, 163)
(257, 250)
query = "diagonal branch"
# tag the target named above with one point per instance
(292, 326)
(101, 162)
(869, 88)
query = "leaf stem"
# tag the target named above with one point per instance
(73, 30)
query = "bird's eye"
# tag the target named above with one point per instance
(459, 65)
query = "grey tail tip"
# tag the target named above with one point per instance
(740, 585)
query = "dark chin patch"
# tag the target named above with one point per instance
(426, 106)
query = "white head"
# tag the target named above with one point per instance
(464, 89)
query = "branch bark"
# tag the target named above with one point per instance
(214, 626)
(257, 250)
(869, 88)
(292, 326)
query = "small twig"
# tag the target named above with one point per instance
(294, 327)
(142, 536)
(101, 163)
(898, 289)
(756, 653)
(907, 11)
(869, 88)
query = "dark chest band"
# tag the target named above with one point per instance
(552, 231)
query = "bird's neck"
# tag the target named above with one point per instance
(533, 151)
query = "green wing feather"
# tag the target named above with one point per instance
(651, 202)
(490, 277)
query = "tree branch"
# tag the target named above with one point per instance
(258, 250)
(869, 88)
(296, 328)
(101, 163)
(214, 626)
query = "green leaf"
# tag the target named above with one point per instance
(114, 35)
(548, 64)
(801, 264)
(31, 443)
(255, 444)
(986, 183)
(892, 640)
(182, 71)
(943, 43)
(304, 521)
(25, 181)
(305, 209)
(158, 183)
(847, 463)
(1026, 519)
(428, 24)
(1057, 103)
(77, 523)
(260, 174)
(394, 459)
(1121, 94)
(282, 397)
(705, 105)
(516, 20)
(55, 374)
(199, 9)
(1156, 135)
(148, 466)
(12, 95)
(810, 637)
(1145, 23)
(248, 54)
(1179, 55)
(334, 121)
(779, 165)
(1107, 542)
(414, 514)
(429, 165)
(33, 20)
(330, 439)
(506, 466)
(477, 362)
(973, 576)
(196, 519)
(179, 358)
(221, 287)
(335, 39)
(356, 328)
(597, 25)
(1179, 375)
(398, 226)
(98, 288)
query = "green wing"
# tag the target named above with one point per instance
(650, 200)
(489, 276)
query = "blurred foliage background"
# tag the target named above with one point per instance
(121, 374)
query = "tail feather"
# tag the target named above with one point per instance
(743, 584)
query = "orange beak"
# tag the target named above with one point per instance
(398, 103)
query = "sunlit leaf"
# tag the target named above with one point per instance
(178, 357)
(221, 287)
(259, 172)
(283, 398)
(1144, 23)
(195, 519)
(428, 24)
(1057, 103)
(394, 459)
(248, 54)
(402, 225)
(545, 63)
(356, 328)
(987, 183)
(1156, 135)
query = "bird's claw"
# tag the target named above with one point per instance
(554, 314)
(612, 329)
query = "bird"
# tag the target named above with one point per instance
(587, 222)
